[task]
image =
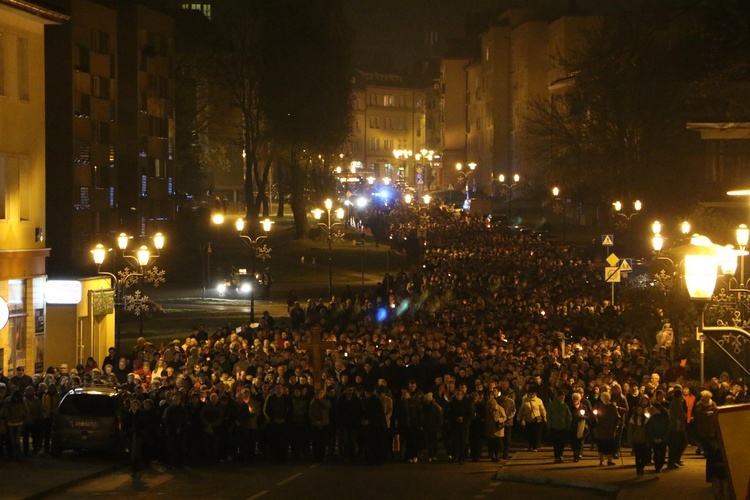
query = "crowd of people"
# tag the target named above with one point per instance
(498, 335)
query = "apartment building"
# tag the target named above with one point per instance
(110, 128)
(23, 246)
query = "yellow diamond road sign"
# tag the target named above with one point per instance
(612, 259)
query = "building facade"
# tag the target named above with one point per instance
(110, 128)
(393, 121)
(487, 96)
(23, 247)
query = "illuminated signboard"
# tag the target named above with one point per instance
(63, 292)
(4, 313)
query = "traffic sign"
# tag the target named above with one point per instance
(612, 274)
(613, 260)
(626, 265)
(608, 240)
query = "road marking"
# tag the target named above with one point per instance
(290, 478)
(479, 496)
(258, 495)
(313, 466)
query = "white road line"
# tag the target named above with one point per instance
(290, 478)
(258, 495)
(313, 466)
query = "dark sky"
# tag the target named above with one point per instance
(398, 28)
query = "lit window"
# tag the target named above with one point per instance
(84, 198)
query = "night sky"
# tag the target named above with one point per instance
(396, 30)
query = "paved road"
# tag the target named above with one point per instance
(320, 481)
(527, 475)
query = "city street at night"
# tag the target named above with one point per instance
(528, 475)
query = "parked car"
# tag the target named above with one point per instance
(88, 418)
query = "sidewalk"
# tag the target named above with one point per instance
(38, 476)
(617, 481)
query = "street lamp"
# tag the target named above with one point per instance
(141, 260)
(560, 201)
(361, 204)
(510, 186)
(420, 211)
(329, 226)
(618, 206)
(701, 265)
(404, 155)
(423, 174)
(637, 205)
(254, 245)
(463, 176)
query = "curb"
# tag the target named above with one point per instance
(519, 478)
(548, 481)
(72, 482)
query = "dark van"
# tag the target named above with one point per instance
(88, 418)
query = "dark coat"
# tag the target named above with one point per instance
(607, 422)
(705, 422)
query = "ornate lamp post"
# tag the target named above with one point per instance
(141, 261)
(330, 227)
(254, 243)
(463, 176)
(361, 204)
(701, 265)
(424, 168)
(560, 201)
(618, 207)
(510, 186)
(403, 155)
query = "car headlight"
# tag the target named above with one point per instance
(245, 288)
(222, 288)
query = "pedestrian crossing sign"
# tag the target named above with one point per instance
(626, 265)
(608, 240)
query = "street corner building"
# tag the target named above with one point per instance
(22, 183)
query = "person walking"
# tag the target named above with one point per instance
(320, 419)
(607, 421)
(639, 438)
(677, 428)
(50, 402)
(559, 419)
(135, 428)
(657, 431)
(580, 414)
(704, 422)
(432, 422)
(278, 411)
(494, 428)
(373, 426)
(15, 413)
(175, 424)
(509, 406)
(458, 415)
(532, 416)
(33, 426)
